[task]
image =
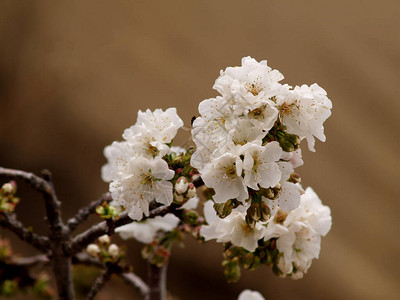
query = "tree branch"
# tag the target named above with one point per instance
(84, 259)
(157, 281)
(88, 236)
(58, 235)
(135, 281)
(10, 222)
(32, 261)
(85, 212)
(59, 238)
(36, 182)
(130, 278)
(99, 283)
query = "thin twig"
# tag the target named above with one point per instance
(135, 281)
(85, 212)
(53, 206)
(157, 281)
(10, 222)
(99, 283)
(59, 237)
(130, 278)
(32, 261)
(36, 182)
(88, 236)
(84, 259)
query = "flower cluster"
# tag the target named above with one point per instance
(136, 170)
(248, 138)
(299, 234)
(247, 148)
(104, 250)
(288, 241)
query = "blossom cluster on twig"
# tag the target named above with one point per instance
(247, 147)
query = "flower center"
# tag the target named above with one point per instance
(287, 109)
(153, 151)
(147, 178)
(257, 113)
(231, 171)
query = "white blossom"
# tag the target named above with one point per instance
(299, 234)
(118, 155)
(250, 85)
(192, 203)
(224, 176)
(289, 195)
(145, 231)
(161, 126)
(250, 295)
(145, 180)
(303, 111)
(293, 157)
(260, 165)
(232, 229)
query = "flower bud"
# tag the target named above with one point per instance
(223, 209)
(7, 188)
(265, 212)
(288, 142)
(254, 211)
(190, 217)
(191, 191)
(93, 250)
(248, 260)
(295, 178)
(113, 250)
(112, 211)
(250, 221)
(104, 239)
(100, 210)
(181, 185)
(178, 198)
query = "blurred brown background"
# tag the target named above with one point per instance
(74, 73)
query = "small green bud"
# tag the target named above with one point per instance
(100, 210)
(106, 211)
(265, 212)
(256, 263)
(254, 211)
(9, 288)
(223, 209)
(190, 217)
(248, 260)
(288, 142)
(232, 269)
(249, 220)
